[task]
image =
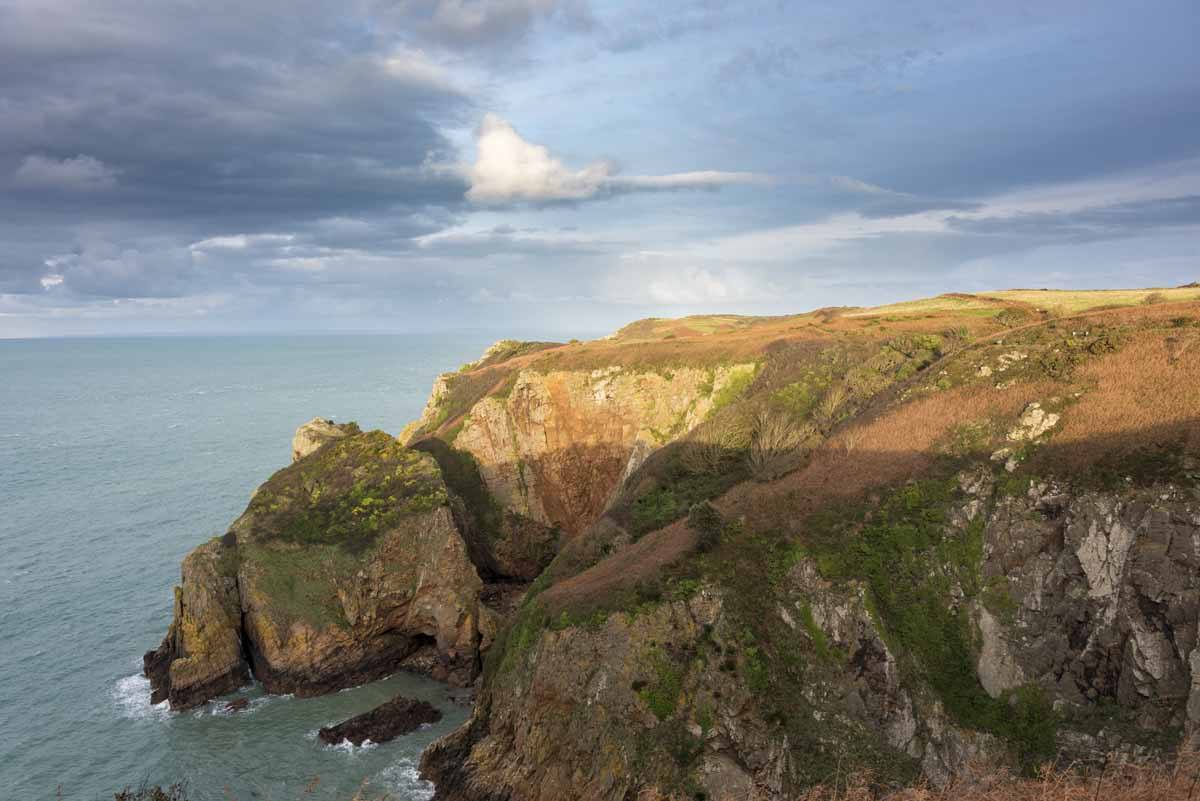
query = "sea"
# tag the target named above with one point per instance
(117, 456)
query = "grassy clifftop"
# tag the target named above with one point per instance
(885, 542)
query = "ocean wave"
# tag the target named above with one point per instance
(351, 748)
(406, 781)
(132, 697)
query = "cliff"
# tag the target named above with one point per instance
(343, 566)
(914, 541)
(737, 558)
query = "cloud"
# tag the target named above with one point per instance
(487, 23)
(416, 67)
(240, 241)
(77, 174)
(509, 169)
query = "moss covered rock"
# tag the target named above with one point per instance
(343, 566)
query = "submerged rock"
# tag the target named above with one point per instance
(385, 722)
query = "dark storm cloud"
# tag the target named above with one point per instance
(130, 131)
(190, 115)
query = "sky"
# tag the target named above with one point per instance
(178, 166)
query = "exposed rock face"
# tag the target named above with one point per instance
(1100, 597)
(580, 714)
(559, 445)
(344, 564)
(316, 432)
(202, 655)
(1090, 596)
(385, 722)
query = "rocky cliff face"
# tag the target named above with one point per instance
(549, 449)
(767, 553)
(1081, 597)
(1095, 595)
(955, 567)
(203, 654)
(558, 446)
(343, 566)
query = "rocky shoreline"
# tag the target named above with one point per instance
(821, 551)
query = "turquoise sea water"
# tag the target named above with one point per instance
(117, 456)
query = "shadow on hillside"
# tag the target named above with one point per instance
(645, 529)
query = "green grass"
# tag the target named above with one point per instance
(1073, 301)
(736, 386)
(661, 694)
(673, 490)
(915, 565)
(347, 493)
(301, 582)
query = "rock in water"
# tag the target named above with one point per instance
(344, 565)
(238, 705)
(316, 432)
(385, 722)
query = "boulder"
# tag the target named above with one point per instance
(316, 432)
(385, 722)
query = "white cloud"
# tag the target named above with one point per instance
(51, 280)
(652, 277)
(792, 243)
(241, 241)
(415, 68)
(850, 184)
(81, 173)
(510, 169)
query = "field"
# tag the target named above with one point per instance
(1071, 301)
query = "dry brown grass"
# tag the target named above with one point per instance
(717, 340)
(895, 446)
(625, 569)
(1148, 393)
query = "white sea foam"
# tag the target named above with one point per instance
(132, 697)
(351, 748)
(404, 778)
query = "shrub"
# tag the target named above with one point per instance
(735, 386)
(776, 445)
(1154, 298)
(707, 523)
(714, 444)
(1011, 318)
(831, 403)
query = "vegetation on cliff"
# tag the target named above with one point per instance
(766, 554)
(821, 510)
(345, 494)
(344, 564)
